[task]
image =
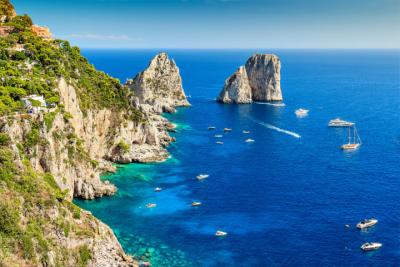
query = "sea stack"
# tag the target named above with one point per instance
(259, 80)
(159, 86)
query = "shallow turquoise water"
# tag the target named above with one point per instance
(283, 200)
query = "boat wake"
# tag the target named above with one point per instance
(271, 104)
(272, 127)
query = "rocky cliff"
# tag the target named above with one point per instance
(258, 80)
(159, 87)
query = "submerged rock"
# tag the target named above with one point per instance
(159, 86)
(258, 80)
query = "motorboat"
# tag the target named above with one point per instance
(157, 189)
(221, 233)
(196, 204)
(250, 140)
(218, 136)
(211, 128)
(340, 123)
(301, 112)
(246, 132)
(219, 143)
(367, 223)
(354, 140)
(227, 129)
(151, 205)
(371, 246)
(202, 176)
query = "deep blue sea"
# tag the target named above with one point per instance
(284, 199)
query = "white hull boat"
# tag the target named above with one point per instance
(367, 223)
(202, 176)
(340, 123)
(371, 246)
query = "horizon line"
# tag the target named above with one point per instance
(243, 48)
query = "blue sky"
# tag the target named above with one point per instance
(220, 23)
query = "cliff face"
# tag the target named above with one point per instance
(159, 86)
(258, 80)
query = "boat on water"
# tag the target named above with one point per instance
(301, 112)
(246, 132)
(371, 246)
(196, 204)
(250, 140)
(211, 128)
(366, 223)
(221, 233)
(227, 129)
(340, 123)
(218, 136)
(219, 143)
(157, 189)
(354, 140)
(202, 176)
(151, 205)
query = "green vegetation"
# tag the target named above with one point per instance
(32, 65)
(123, 147)
(84, 255)
(6, 8)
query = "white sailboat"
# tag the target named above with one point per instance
(354, 141)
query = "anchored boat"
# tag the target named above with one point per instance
(202, 176)
(196, 204)
(367, 223)
(354, 140)
(221, 233)
(371, 246)
(340, 123)
(227, 129)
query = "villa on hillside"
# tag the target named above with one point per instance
(34, 103)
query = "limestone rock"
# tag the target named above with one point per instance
(160, 85)
(237, 88)
(258, 80)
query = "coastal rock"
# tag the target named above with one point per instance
(258, 80)
(159, 86)
(237, 88)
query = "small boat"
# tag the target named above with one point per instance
(340, 123)
(218, 136)
(227, 129)
(151, 205)
(157, 189)
(367, 223)
(202, 176)
(301, 112)
(246, 132)
(250, 140)
(352, 144)
(219, 143)
(211, 128)
(196, 204)
(221, 233)
(371, 246)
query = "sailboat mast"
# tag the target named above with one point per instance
(355, 141)
(349, 136)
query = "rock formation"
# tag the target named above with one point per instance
(159, 86)
(258, 80)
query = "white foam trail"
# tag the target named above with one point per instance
(271, 104)
(272, 127)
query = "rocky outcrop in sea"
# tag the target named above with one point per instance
(259, 80)
(159, 87)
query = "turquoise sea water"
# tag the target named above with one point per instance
(284, 199)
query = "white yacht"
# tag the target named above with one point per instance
(367, 223)
(218, 136)
(221, 233)
(196, 204)
(340, 123)
(157, 189)
(202, 176)
(211, 128)
(219, 143)
(250, 140)
(301, 112)
(227, 129)
(246, 132)
(371, 246)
